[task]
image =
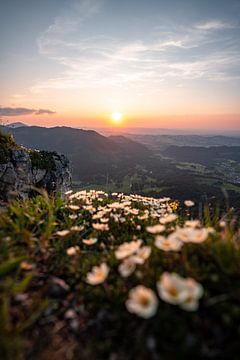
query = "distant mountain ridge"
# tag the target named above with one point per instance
(89, 152)
(16, 125)
(160, 142)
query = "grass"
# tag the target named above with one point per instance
(47, 310)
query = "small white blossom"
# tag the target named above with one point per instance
(176, 290)
(90, 241)
(127, 249)
(62, 233)
(127, 267)
(168, 219)
(192, 223)
(171, 243)
(222, 224)
(77, 228)
(100, 227)
(142, 255)
(98, 274)
(73, 250)
(73, 207)
(155, 229)
(192, 235)
(189, 203)
(142, 301)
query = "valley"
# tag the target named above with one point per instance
(207, 173)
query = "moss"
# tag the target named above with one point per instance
(42, 159)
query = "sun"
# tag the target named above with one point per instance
(117, 118)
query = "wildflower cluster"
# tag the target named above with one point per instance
(160, 228)
(84, 271)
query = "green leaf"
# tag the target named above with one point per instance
(21, 287)
(10, 265)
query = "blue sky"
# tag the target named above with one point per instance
(86, 58)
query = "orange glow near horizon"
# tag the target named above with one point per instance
(222, 122)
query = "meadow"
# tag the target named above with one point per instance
(114, 276)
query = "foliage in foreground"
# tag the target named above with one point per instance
(70, 274)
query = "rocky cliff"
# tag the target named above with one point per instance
(22, 171)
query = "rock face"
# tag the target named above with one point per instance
(25, 170)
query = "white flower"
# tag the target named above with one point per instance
(104, 220)
(90, 241)
(222, 224)
(73, 250)
(77, 228)
(100, 227)
(127, 267)
(195, 292)
(142, 301)
(176, 290)
(155, 229)
(62, 232)
(189, 203)
(98, 274)
(192, 223)
(142, 255)
(127, 249)
(97, 216)
(171, 243)
(73, 207)
(193, 235)
(168, 219)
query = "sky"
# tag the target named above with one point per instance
(160, 63)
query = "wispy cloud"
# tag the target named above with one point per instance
(9, 111)
(181, 53)
(214, 25)
(76, 14)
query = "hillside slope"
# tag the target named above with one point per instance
(91, 153)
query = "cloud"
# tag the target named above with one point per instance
(92, 62)
(8, 111)
(44, 111)
(77, 13)
(213, 25)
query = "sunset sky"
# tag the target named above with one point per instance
(160, 63)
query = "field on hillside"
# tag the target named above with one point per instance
(114, 276)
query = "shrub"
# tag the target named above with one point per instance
(42, 159)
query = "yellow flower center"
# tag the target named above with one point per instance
(144, 301)
(173, 291)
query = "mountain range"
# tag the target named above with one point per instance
(91, 154)
(176, 166)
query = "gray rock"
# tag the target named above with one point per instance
(38, 174)
(18, 177)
